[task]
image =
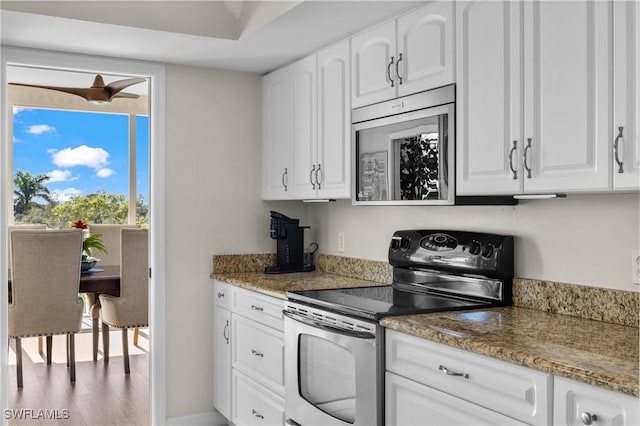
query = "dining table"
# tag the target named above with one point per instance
(95, 281)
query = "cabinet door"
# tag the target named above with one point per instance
(578, 404)
(567, 96)
(373, 60)
(489, 93)
(425, 48)
(303, 75)
(626, 82)
(410, 403)
(222, 361)
(277, 135)
(334, 122)
(255, 405)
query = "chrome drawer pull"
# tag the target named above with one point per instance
(445, 370)
(588, 418)
(524, 158)
(256, 353)
(389, 72)
(225, 332)
(256, 414)
(220, 295)
(257, 308)
(514, 171)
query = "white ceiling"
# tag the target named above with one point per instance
(304, 28)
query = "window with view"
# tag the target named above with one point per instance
(71, 165)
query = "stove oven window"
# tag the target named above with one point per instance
(327, 377)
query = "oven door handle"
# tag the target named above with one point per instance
(327, 327)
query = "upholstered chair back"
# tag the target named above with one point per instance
(111, 239)
(45, 279)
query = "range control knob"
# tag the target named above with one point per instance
(487, 251)
(395, 243)
(474, 248)
(405, 243)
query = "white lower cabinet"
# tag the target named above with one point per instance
(580, 404)
(487, 384)
(411, 403)
(248, 356)
(253, 404)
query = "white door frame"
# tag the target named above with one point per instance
(157, 287)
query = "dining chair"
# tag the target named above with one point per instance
(28, 226)
(130, 309)
(111, 240)
(45, 279)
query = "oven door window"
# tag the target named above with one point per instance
(327, 377)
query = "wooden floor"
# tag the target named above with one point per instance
(102, 394)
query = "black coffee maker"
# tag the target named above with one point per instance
(290, 256)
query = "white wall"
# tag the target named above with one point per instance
(583, 239)
(213, 207)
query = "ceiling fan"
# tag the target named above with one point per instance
(98, 92)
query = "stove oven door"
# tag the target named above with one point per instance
(332, 374)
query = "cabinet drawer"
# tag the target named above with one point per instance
(255, 405)
(512, 390)
(410, 403)
(258, 307)
(574, 400)
(222, 294)
(258, 351)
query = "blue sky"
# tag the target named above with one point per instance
(81, 152)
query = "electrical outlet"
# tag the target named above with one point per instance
(635, 267)
(341, 242)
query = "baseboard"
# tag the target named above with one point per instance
(212, 418)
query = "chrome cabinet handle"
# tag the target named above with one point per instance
(615, 151)
(256, 353)
(313, 169)
(284, 176)
(588, 418)
(514, 171)
(524, 158)
(397, 70)
(318, 179)
(220, 295)
(448, 372)
(254, 413)
(389, 71)
(257, 308)
(225, 332)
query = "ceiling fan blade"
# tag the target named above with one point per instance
(116, 86)
(85, 93)
(125, 95)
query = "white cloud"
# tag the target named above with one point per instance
(64, 195)
(104, 173)
(94, 158)
(17, 110)
(38, 129)
(61, 176)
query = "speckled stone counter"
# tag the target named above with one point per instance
(277, 285)
(592, 352)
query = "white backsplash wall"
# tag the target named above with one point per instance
(582, 239)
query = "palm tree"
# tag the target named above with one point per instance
(28, 187)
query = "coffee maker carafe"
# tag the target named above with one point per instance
(290, 245)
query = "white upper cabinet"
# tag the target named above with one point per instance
(304, 121)
(307, 129)
(567, 96)
(561, 92)
(277, 110)
(333, 162)
(489, 95)
(404, 56)
(626, 84)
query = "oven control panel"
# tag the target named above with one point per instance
(456, 251)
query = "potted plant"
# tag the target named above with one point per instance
(88, 243)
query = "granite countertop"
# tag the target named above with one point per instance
(592, 352)
(277, 285)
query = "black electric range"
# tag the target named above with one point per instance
(433, 270)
